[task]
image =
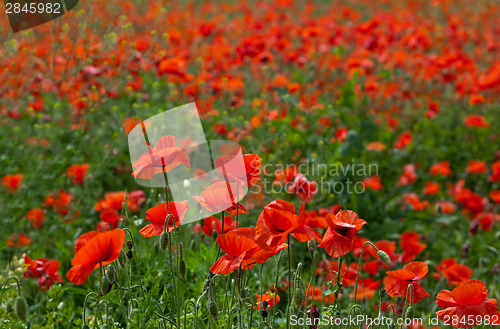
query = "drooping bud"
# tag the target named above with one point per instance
(129, 254)
(21, 308)
(111, 274)
(410, 312)
(213, 309)
(383, 257)
(164, 241)
(129, 244)
(106, 326)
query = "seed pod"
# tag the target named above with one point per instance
(105, 286)
(299, 297)
(410, 312)
(129, 254)
(21, 308)
(164, 241)
(182, 269)
(213, 309)
(383, 257)
(111, 274)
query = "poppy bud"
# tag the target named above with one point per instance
(410, 312)
(129, 244)
(85, 326)
(213, 309)
(465, 250)
(383, 257)
(182, 269)
(164, 241)
(122, 260)
(265, 304)
(299, 297)
(106, 326)
(129, 254)
(105, 286)
(111, 274)
(263, 313)
(21, 308)
(381, 293)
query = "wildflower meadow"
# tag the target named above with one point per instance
(251, 164)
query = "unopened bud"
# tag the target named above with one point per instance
(265, 305)
(299, 297)
(106, 326)
(410, 312)
(465, 251)
(122, 260)
(182, 269)
(129, 244)
(111, 274)
(383, 257)
(213, 309)
(263, 313)
(21, 308)
(381, 293)
(105, 286)
(311, 245)
(164, 241)
(129, 254)
(474, 226)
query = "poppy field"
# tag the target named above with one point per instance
(357, 175)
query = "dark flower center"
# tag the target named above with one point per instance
(342, 230)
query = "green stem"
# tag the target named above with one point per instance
(289, 282)
(359, 267)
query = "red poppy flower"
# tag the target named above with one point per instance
(454, 272)
(477, 167)
(431, 188)
(277, 220)
(164, 156)
(303, 188)
(411, 246)
(213, 223)
(476, 120)
(239, 250)
(442, 168)
(269, 297)
(44, 270)
(77, 173)
(373, 183)
(36, 217)
(403, 140)
(18, 240)
(495, 172)
(93, 249)
(220, 196)
(231, 169)
(445, 207)
(409, 175)
(487, 219)
(12, 182)
(158, 214)
(61, 202)
(396, 282)
(466, 305)
(342, 229)
(366, 289)
(375, 146)
(495, 196)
